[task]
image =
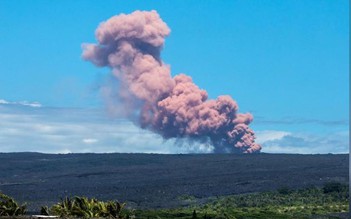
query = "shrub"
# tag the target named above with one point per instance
(9, 207)
(333, 187)
(284, 190)
(194, 216)
(86, 208)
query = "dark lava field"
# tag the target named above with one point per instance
(158, 181)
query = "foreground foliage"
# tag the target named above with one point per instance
(285, 203)
(9, 207)
(86, 208)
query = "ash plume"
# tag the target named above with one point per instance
(174, 107)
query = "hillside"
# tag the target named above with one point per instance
(158, 181)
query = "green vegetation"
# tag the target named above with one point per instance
(86, 208)
(285, 203)
(9, 207)
(334, 187)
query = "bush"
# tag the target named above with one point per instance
(194, 216)
(333, 187)
(284, 190)
(86, 208)
(9, 207)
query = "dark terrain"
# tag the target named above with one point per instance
(157, 181)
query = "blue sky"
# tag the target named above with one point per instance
(285, 61)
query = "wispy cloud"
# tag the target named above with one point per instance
(22, 103)
(90, 140)
(270, 135)
(303, 143)
(76, 130)
(296, 120)
(66, 130)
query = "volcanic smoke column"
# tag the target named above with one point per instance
(172, 107)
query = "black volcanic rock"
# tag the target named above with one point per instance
(153, 181)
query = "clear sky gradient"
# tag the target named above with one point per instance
(285, 61)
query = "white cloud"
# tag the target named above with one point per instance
(89, 140)
(303, 143)
(270, 135)
(21, 103)
(3, 101)
(70, 130)
(31, 104)
(60, 130)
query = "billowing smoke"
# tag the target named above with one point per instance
(173, 107)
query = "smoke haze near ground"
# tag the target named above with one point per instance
(173, 107)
